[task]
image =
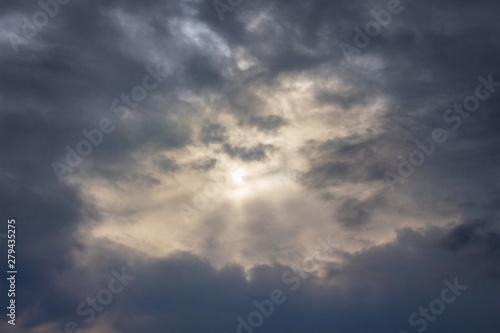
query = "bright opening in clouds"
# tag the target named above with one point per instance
(249, 166)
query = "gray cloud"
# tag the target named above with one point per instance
(248, 154)
(355, 120)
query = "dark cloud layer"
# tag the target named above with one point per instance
(184, 292)
(65, 79)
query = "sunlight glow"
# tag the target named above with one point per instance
(238, 176)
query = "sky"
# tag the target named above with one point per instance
(250, 166)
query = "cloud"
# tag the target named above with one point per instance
(267, 90)
(204, 165)
(167, 164)
(248, 154)
(183, 291)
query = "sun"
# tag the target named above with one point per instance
(238, 177)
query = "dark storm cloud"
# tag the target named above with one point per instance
(338, 161)
(426, 70)
(48, 217)
(53, 94)
(248, 154)
(200, 74)
(64, 80)
(465, 237)
(184, 292)
(167, 164)
(212, 133)
(354, 213)
(345, 102)
(269, 123)
(205, 164)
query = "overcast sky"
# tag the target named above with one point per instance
(341, 154)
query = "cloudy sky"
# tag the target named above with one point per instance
(251, 166)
